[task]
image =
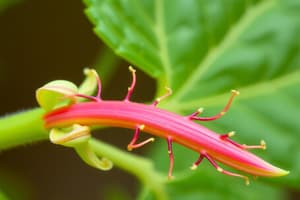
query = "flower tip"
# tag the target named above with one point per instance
(263, 144)
(280, 172)
(284, 172)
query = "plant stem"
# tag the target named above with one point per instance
(22, 128)
(140, 167)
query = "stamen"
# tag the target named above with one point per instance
(220, 114)
(171, 157)
(169, 92)
(194, 167)
(131, 88)
(228, 135)
(133, 145)
(263, 144)
(98, 96)
(235, 92)
(131, 69)
(198, 161)
(219, 169)
(197, 112)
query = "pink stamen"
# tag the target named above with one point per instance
(132, 144)
(171, 157)
(131, 88)
(220, 114)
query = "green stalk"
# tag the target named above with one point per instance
(140, 167)
(22, 128)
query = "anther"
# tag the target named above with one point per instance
(200, 110)
(220, 169)
(263, 144)
(157, 100)
(220, 114)
(197, 112)
(235, 92)
(141, 127)
(194, 167)
(231, 133)
(131, 69)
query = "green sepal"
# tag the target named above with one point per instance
(89, 85)
(70, 136)
(78, 137)
(60, 93)
(56, 94)
(87, 154)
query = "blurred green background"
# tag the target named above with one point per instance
(46, 40)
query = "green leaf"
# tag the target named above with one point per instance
(22, 128)
(202, 50)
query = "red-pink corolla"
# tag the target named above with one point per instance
(170, 126)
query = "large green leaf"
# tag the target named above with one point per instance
(202, 49)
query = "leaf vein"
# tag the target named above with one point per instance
(247, 92)
(160, 34)
(228, 41)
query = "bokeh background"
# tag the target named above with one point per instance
(45, 40)
(41, 41)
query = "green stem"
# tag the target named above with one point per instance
(22, 128)
(140, 167)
